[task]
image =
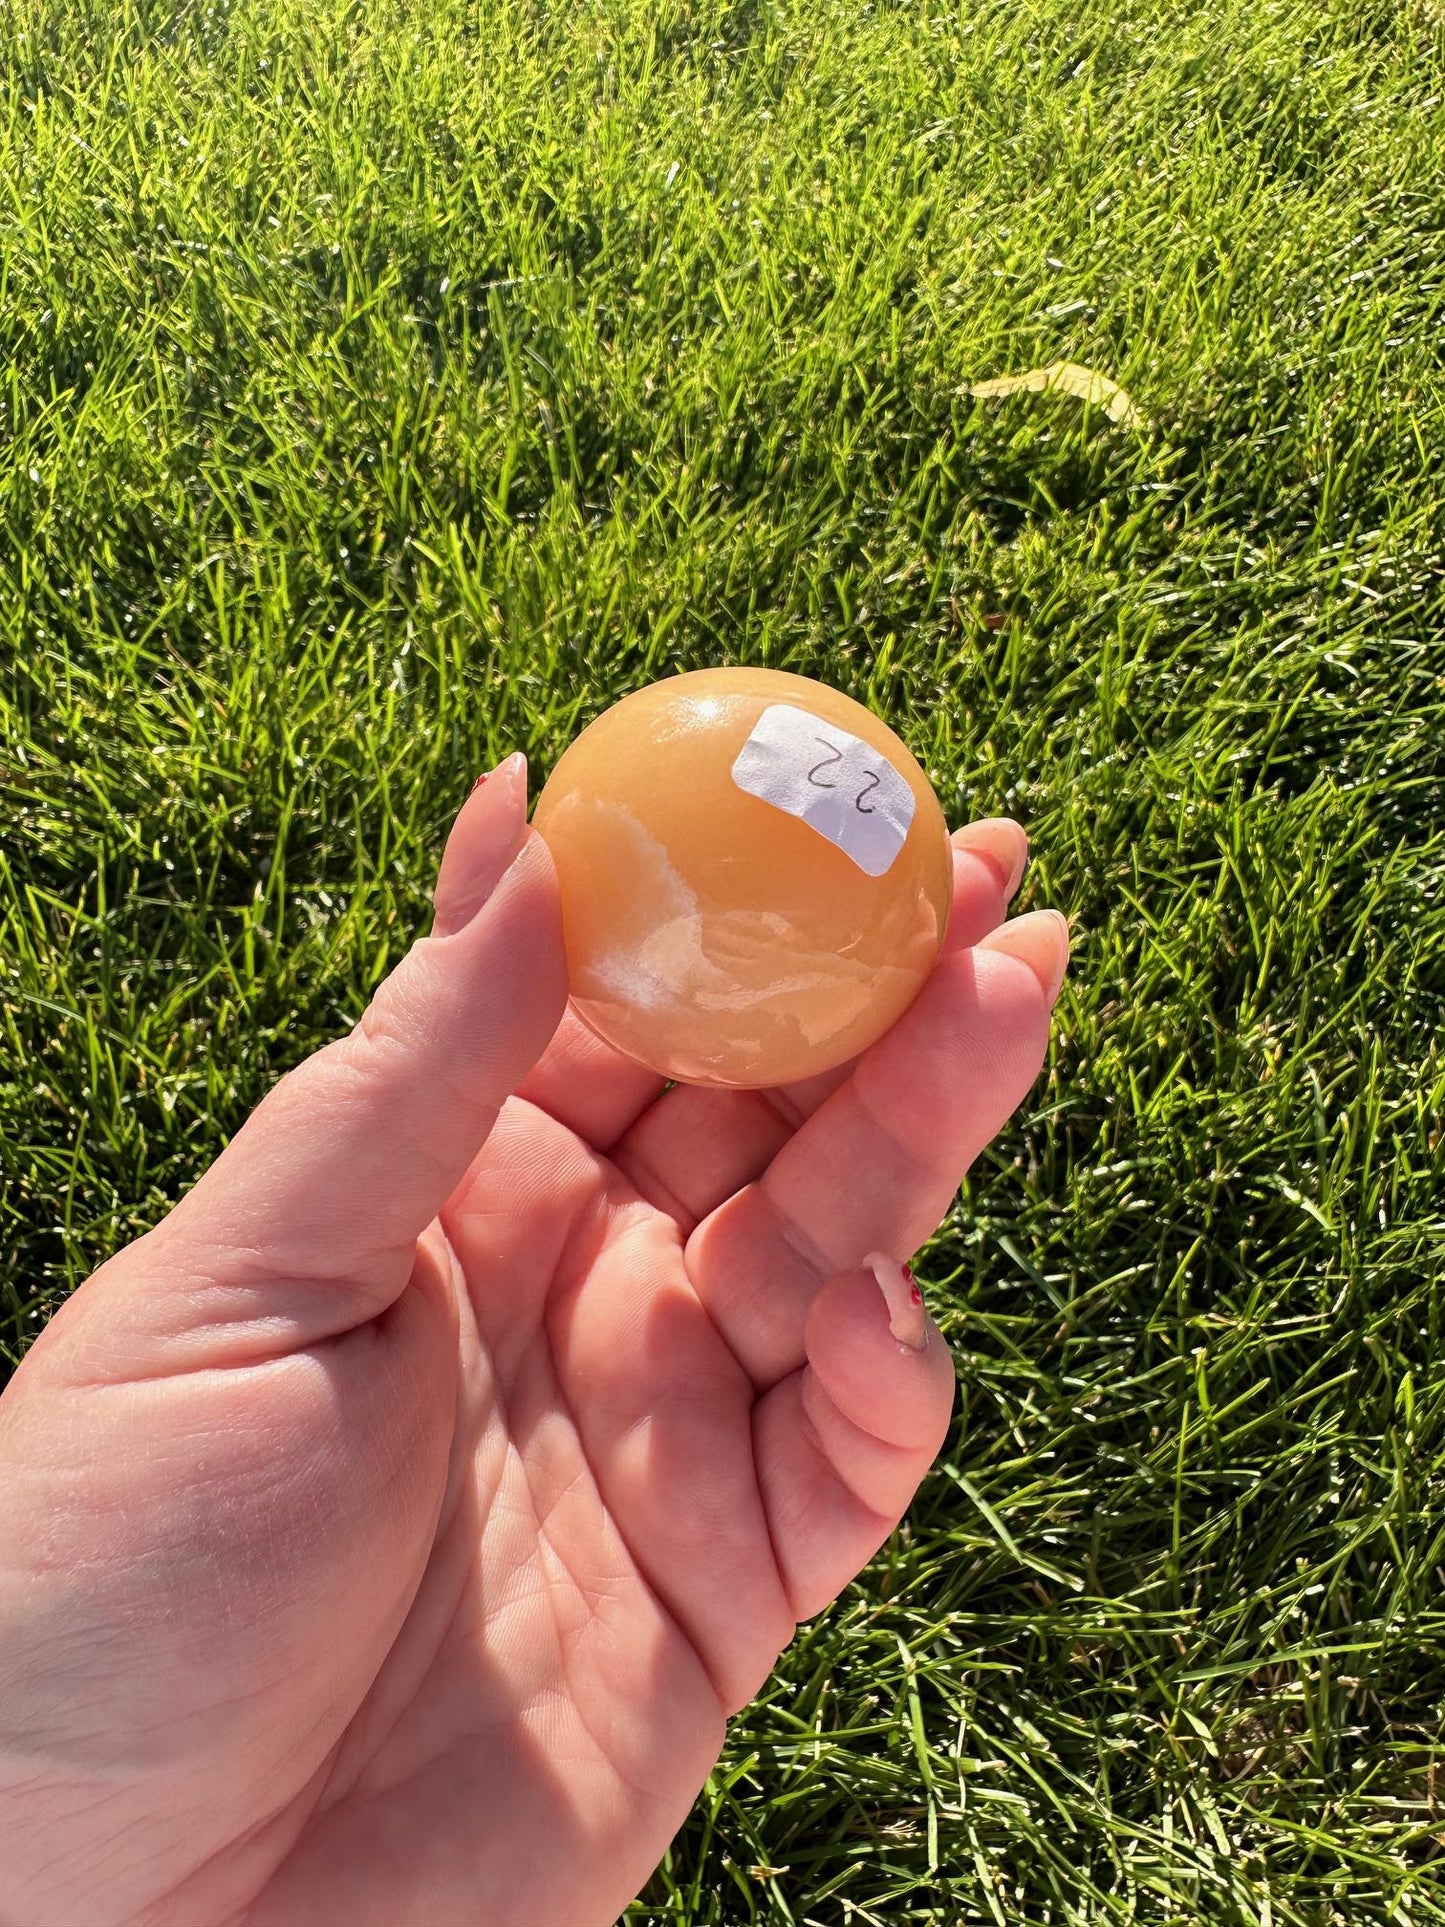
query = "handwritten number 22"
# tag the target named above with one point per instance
(835, 755)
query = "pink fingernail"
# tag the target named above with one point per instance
(484, 840)
(1041, 940)
(907, 1320)
(1003, 845)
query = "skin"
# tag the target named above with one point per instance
(387, 1535)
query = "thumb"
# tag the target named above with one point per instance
(350, 1156)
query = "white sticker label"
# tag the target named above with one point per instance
(839, 785)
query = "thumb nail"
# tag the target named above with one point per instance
(490, 829)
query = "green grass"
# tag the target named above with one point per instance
(383, 387)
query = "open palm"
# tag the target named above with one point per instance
(388, 1534)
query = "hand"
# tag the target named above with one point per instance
(386, 1536)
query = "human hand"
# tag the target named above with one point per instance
(386, 1536)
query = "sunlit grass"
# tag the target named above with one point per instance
(383, 388)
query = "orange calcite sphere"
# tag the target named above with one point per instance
(755, 875)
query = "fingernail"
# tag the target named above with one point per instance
(907, 1319)
(1041, 940)
(490, 829)
(1002, 844)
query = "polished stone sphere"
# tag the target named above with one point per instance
(755, 876)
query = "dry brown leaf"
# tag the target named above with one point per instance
(1069, 378)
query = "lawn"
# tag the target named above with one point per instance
(385, 387)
